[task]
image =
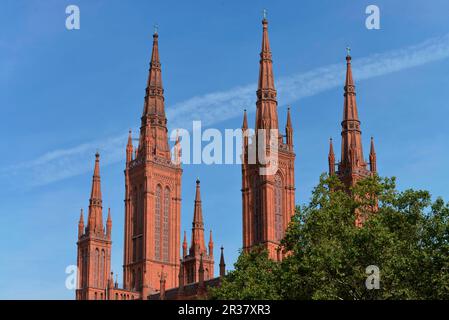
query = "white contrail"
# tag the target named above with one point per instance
(220, 106)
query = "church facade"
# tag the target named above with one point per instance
(157, 263)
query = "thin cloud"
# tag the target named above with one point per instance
(219, 106)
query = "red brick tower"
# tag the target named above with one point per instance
(198, 253)
(352, 166)
(268, 200)
(94, 245)
(152, 196)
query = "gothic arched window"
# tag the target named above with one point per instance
(157, 223)
(84, 284)
(134, 211)
(165, 225)
(257, 214)
(278, 216)
(138, 279)
(96, 267)
(102, 264)
(134, 223)
(80, 275)
(133, 280)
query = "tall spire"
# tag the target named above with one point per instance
(266, 116)
(352, 162)
(331, 158)
(153, 132)
(81, 225)
(350, 107)
(198, 244)
(184, 245)
(109, 225)
(198, 215)
(201, 270)
(95, 194)
(92, 241)
(95, 220)
(222, 264)
(289, 129)
(372, 157)
(289, 119)
(245, 121)
(198, 253)
(129, 148)
(211, 244)
(245, 133)
(154, 99)
(154, 170)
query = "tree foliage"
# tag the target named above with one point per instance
(405, 234)
(254, 278)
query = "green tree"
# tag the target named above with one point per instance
(404, 234)
(254, 277)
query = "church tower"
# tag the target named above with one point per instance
(152, 195)
(198, 254)
(268, 197)
(352, 166)
(94, 245)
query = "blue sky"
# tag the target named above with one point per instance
(63, 94)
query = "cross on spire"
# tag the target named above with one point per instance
(264, 12)
(348, 50)
(156, 28)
